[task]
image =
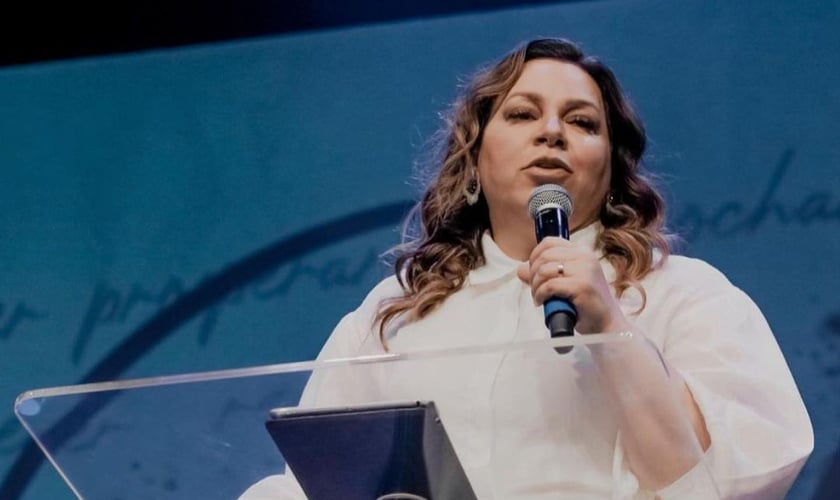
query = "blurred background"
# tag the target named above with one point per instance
(248, 162)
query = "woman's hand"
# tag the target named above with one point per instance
(559, 268)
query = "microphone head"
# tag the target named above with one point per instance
(549, 196)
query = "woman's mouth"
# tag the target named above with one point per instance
(548, 163)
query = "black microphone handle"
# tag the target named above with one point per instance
(560, 314)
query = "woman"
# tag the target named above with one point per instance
(701, 393)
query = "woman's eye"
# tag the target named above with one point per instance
(585, 123)
(521, 114)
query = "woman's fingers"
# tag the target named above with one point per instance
(559, 268)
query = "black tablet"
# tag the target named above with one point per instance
(385, 450)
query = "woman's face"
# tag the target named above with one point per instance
(550, 128)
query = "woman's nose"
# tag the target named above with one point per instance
(552, 133)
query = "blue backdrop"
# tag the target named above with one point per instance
(129, 181)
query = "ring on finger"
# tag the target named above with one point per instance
(561, 268)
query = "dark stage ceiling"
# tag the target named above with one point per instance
(38, 31)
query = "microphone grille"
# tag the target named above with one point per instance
(549, 195)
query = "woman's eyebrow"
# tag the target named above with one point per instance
(531, 96)
(581, 103)
(576, 103)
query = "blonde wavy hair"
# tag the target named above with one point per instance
(442, 234)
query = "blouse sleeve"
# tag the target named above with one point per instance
(721, 344)
(354, 336)
(338, 385)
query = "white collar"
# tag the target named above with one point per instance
(499, 265)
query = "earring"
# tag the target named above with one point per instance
(610, 198)
(472, 190)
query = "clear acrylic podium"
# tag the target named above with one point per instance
(203, 435)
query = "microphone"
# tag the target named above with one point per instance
(550, 206)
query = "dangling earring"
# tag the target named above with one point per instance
(473, 189)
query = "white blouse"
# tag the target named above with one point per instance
(535, 425)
